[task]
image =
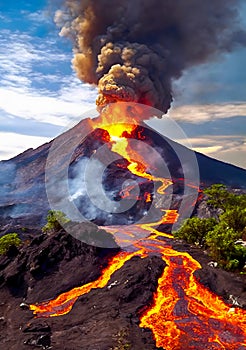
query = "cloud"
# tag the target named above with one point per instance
(33, 85)
(28, 104)
(227, 148)
(38, 17)
(199, 114)
(21, 55)
(11, 144)
(10, 123)
(217, 82)
(39, 94)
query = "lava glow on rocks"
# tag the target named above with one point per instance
(184, 314)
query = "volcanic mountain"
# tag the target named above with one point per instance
(134, 287)
(23, 197)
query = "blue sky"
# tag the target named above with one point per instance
(40, 95)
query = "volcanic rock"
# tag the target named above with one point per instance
(102, 319)
(58, 256)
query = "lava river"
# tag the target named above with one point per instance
(183, 314)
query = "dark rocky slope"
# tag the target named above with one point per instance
(103, 319)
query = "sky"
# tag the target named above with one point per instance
(41, 97)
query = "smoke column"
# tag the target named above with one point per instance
(133, 49)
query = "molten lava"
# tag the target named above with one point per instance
(120, 127)
(184, 314)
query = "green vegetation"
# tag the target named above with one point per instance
(220, 197)
(220, 235)
(194, 230)
(7, 241)
(55, 220)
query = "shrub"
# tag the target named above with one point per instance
(194, 230)
(232, 264)
(220, 197)
(221, 243)
(8, 240)
(55, 220)
(234, 218)
(220, 236)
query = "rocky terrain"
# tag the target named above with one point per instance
(103, 319)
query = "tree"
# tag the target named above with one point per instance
(8, 240)
(220, 197)
(194, 230)
(55, 220)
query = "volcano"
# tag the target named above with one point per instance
(112, 277)
(24, 201)
(139, 289)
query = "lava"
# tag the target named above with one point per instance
(65, 301)
(184, 314)
(120, 126)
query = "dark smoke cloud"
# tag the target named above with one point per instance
(133, 49)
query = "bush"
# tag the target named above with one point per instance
(232, 264)
(55, 220)
(234, 218)
(8, 240)
(194, 230)
(220, 197)
(222, 248)
(220, 236)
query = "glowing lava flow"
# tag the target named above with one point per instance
(119, 134)
(184, 314)
(65, 301)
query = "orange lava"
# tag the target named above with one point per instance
(120, 126)
(184, 314)
(65, 301)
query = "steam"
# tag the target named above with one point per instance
(133, 49)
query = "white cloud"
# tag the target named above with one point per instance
(41, 16)
(12, 144)
(58, 110)
(230, 149)
(20, 54)
(44, 94)
(198, 114)
(34, 86)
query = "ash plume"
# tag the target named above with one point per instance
(133, 49)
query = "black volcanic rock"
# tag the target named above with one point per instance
(102, 319)
(109, 317)
(225, 284)
(59, 258)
